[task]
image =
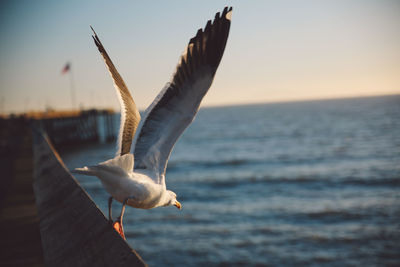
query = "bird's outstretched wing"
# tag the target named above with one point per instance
(130, 116)
(176, 105)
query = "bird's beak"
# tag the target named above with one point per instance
(178, 205)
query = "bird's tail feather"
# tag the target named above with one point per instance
(120, 165)
(85, 170)
(124, 162)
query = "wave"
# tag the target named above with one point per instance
(209, 164)
(339, 215)
(281, 161)
(311, 180)
(198, 164)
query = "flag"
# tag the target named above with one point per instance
(66, 68)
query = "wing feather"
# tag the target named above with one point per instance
(130, 116)
(176, 105)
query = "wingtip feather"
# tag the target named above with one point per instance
(93, 30)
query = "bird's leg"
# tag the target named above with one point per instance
(118, 223)
(110, 199)
(121, 216)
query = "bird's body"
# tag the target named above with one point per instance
(138, 179)
(121, 182)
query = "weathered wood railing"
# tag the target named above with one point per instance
(45, 215)
(74, 231)
(20, 242)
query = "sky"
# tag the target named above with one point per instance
(276, 51)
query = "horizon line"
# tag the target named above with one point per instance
(316, 99)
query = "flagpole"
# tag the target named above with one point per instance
(72, 85)
(2, 105)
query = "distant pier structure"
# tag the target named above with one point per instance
(68, 128)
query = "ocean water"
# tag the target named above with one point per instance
(289, 184)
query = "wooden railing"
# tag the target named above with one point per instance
(55, 222)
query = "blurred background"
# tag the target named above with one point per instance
(294, 156)
(277, 50)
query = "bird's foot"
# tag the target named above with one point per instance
(118, 223)
(119, 227)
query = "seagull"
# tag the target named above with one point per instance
(138, 179)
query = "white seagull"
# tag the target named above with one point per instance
(138, 179)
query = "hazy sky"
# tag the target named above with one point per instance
(277, 50)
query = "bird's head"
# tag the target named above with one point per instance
(171, 200)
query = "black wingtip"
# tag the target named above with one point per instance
(216, 16)
(92, 29)
(96, 39)
(207, 48)
(199, 32)
(227, 13)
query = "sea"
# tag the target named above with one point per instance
(314, 183)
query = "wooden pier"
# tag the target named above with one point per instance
(46, 218)
(20, 240)
(74, 127)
